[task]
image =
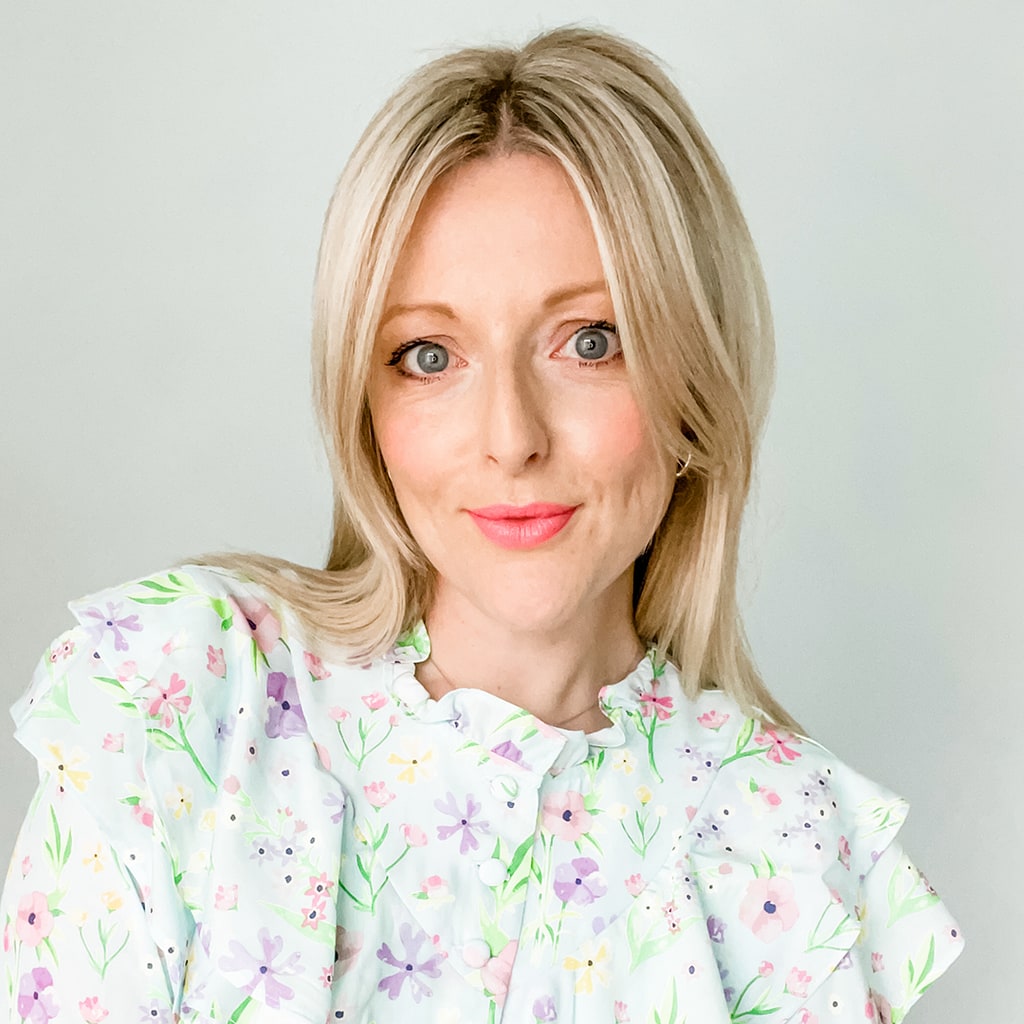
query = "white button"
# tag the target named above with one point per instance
(476, 953)
(504, 787)
(493, 872)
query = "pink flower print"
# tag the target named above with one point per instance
(797, 982)
(215, 662)
(769, 907)
(255, 618)
(844, 852)
(26, 865)
(712, 719)
(231, 784)
(92, 1011)
(326, 977)
(126, 671)
(62, 651)
(621, 1012)
(409, 965)
(313, 915)
(670, 911)
(882, 1005)
(142, 814)
(36, 1004)
(806, 1017)
(661, 706)
(579, 882)
(565, 816)
(767, 969)
(284, 716)
(434, 888)
(374, 700)
(465, 822)
(337, 714)
(101, 622)
(769, 796)
(262, 968)
(114, 742)
(635, 885)
(320, 887)
(167, 700)
(877, 963)
(226, 897)
(34, 920)
(414, 835)
(497, 972)
(378, 794)
(777, 743)
(315, 667)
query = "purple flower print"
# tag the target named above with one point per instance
(284, 717)
(336, 801)
(408, 965)
(155, 1013)
(579, 882)
(102, 622)
(35, 1004)
(509, 751)
(264, 971)
(716, 929)
(464, 822)
(544, 1010)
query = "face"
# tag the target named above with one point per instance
(502, 405)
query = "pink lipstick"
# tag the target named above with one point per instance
(521, 526)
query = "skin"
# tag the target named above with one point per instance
(517, 416)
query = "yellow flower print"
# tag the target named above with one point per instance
(111, 900)
(417, 761)
(64, 768)
(624, 761)
(643, 794)
(95, 859)
(208, 822)
(590, 967)
(179, 801)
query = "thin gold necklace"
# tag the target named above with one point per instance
(557, 725)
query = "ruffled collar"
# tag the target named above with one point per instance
(484, 717)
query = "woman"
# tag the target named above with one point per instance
(506, 756)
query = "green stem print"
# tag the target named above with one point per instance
(104, 957)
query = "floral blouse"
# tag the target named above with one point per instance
(231, 828)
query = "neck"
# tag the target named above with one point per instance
(554, 672)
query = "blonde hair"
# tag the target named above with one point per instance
(690, 304)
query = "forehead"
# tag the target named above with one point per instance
(498, 223)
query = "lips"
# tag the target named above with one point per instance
(521, 526)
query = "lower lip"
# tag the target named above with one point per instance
(517, 534)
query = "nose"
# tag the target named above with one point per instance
(514, 422)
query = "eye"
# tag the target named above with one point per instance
(597, 342)
(420, 359)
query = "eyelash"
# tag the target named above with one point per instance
(396, 357)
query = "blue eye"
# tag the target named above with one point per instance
(594, 343)
(420, 358)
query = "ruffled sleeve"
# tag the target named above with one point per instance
(93, 928)
(813, 910)
(171, 738)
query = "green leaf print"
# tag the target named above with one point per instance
(56, 703)
(906, 893)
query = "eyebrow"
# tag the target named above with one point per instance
(555, 298)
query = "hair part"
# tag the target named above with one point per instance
(691, 309)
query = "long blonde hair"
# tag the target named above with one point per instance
(690, 303)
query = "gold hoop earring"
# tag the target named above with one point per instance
(682, 467)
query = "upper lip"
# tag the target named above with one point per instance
(535, 510)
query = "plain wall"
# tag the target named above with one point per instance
(164, 177)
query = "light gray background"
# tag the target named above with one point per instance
(165, 171)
